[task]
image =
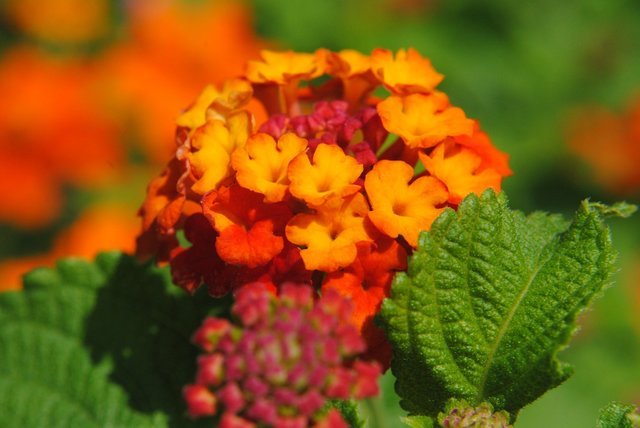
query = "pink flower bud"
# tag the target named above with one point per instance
(212, 330)
(210, 370)
(200, 401)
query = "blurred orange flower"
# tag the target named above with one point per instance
(172, 51)
(60, 21)
(100, 228)
(610, 144)
(52, 132)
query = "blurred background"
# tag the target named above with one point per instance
(89, 90)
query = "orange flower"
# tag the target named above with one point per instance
(354, 71)
(53, 132)
(234, 94)
(366, 283)
(330, 236)
(250, 231)
(408, 72)
(261, 165)
(30, 197)
(480, 143)
(423, 120)
(331, 174)
(284, 67)
(103, 227)
(173, 51)
(164, 202)
(214, 142)
(347, 63)
(64, 21)
(461, 170)
(400, 208)
(610, 144)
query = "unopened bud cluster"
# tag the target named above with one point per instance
(280, 366)
(459, 414)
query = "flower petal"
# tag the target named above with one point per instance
(262, 164)
(331, 174)
(406, 73)
(461, 170)
(423, 120)
(400, 208)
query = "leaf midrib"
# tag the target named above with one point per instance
(504, 327)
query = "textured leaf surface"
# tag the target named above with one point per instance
(616, 415)
(102, 344)
(490, 297)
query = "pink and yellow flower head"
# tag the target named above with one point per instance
(277, 177)
(280, 364)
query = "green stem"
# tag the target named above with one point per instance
(375, 414)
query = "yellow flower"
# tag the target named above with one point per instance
(409, 72)
(262, 164)
(213, 143)
(284, 67)
(330, 235)
(354, 71)
(461, 169)
(331, 174)
(347, 63)
(423, 120)
(400, 208)
(216, 103)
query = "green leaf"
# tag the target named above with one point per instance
(102, 344)
(617, 415)
(619, 209)
(489, 299)
(419, 421)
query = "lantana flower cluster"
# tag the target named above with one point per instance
(290, 355)
(320, 168)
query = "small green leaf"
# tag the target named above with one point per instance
(419, 421)
(617, 415)
(96, 345)
(489, 299)
(619, 209)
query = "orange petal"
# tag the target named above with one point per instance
(214, 142)
(400, 208)
(330, 235)
(331, 174)
(162, 198)
(480, 143)
(408, 72)
(252, 248)
(250, 230)
(284, 67)
(347, 63)
(354, 70)
(214, 103)
(366, 283)
(262, 164)
(460, 169)
(423, 120)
